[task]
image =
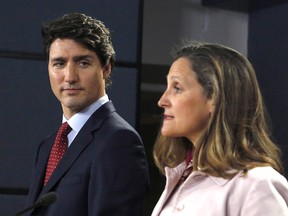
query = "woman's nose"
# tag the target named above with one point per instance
(163, 100)
(159, 103)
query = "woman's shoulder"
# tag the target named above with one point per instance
(265, 173)
(264, 179)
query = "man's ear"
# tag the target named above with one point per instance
(107, 70)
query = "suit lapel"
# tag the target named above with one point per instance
(81, 141)
(40, 168)
(78, 145)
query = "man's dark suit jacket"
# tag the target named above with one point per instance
(103, 173)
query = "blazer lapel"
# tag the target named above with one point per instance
(82, 140)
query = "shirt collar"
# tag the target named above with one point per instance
(77, 121)
(178, 170)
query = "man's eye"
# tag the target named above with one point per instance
(84, 63)
(58, 64)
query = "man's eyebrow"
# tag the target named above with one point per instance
(57, 59)
(75, 58)
(81, 57)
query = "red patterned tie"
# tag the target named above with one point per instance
(58, 150)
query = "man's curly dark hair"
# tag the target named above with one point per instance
(84, 29)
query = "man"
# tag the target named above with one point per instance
(104, 170)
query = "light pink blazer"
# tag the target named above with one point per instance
(262, 192)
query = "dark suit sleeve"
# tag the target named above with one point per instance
(119, 176)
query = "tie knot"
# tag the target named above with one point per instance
(64, 129)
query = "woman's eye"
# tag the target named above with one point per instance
(177, 89)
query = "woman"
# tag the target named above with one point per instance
(214, 146)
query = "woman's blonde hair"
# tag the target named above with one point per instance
(237, 137)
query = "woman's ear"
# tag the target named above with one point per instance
(211, 105)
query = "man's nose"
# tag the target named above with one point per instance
(71, 74)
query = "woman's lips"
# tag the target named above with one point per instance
(167, 117)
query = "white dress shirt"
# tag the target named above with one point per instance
(77, 121)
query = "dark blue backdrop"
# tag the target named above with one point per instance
(268, 52)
